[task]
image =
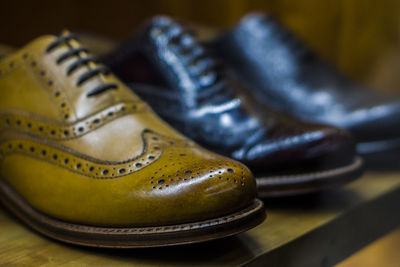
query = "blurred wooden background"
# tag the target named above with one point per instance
(361, 36)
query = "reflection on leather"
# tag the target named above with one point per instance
(198, 97)
(283, 73)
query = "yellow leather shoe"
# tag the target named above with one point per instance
(84, 160)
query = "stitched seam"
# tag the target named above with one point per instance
(87, 123)
(91, 161)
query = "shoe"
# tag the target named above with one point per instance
(85, 161)
(283, 73)
(165, 65)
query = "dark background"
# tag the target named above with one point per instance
(361, 36)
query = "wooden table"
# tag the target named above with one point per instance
(317, 230)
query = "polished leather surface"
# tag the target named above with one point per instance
(165, 64)
(103, 158)
(283, 73)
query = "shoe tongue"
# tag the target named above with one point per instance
(266, 35)
(41, 44)
(257, 24)
(254, 18)
(163, 21)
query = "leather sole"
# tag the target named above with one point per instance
(135, 237)
(296, 184)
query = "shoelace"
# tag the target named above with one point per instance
(201, 65)
(81, 61)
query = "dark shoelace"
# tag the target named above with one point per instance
(201, 64)
(81, 61)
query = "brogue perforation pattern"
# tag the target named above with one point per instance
(154, 147)
(185, 165)
(189, 166)
(37, 127)
(58, 96)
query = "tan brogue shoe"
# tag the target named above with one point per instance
(85, 161)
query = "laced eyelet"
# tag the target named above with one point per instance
(79, 61)
(200, 65)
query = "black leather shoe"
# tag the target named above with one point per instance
(164, 63)
(284, 74)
